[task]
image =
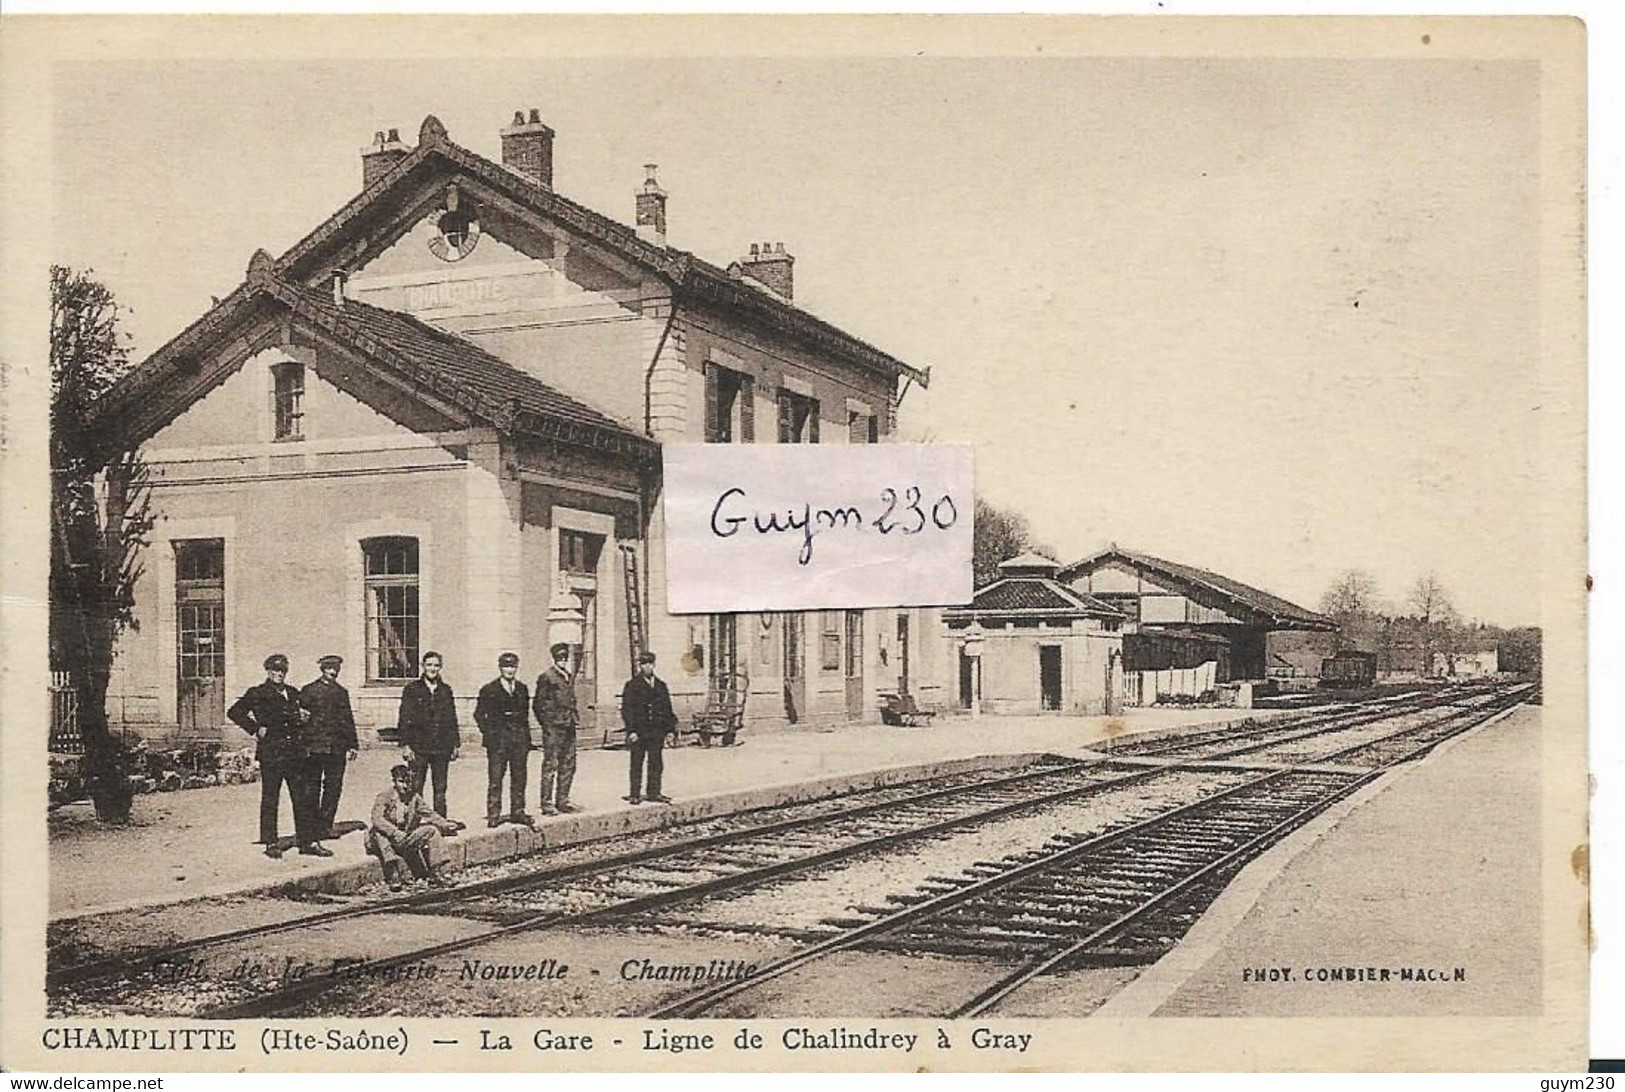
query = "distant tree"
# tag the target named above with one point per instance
(1436, 615)
(1350, 602)
(101, 518)
(999, 535)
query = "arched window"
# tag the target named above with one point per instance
(289, 400)
(393, 621)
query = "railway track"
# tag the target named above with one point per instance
(1126, 895)
(743, 853)
(648, 879)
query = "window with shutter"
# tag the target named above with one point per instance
(798, 418)
(729, 415)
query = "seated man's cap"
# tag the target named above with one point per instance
(334, 661)
(646, 657)
(560, 649)
(276, 662)
(508, 659)
(400, 771)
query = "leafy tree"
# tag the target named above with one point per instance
(1436, 614)
(1350, 602)
(999, 535)
(101, 519)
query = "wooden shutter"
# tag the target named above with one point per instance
(786, 416)
(711, 377)
(747, 409)
(812, 420)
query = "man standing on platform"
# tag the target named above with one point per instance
(647, 713)
(503, 714)
(428, 728)
(270, 713)
(555, 706)
(330, 743)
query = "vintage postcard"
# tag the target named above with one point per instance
(1164, 650)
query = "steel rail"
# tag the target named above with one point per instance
(1020, 977)
(133, 963)
(92, 970)
(281, 999)
(701, 1000)
(1290, 731)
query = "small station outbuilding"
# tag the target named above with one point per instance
(1030, 644)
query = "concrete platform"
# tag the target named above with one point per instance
(1433, 868)
(199, 843)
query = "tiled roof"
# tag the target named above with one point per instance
(312, 255)
(1032, 596)
(1286, 614)
(450, 368)
(1030, 560)
(499, 385)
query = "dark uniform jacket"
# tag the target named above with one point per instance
(276, 709)
(646, 707)
(331, 728)
(555, 703)
(504, 718)
(428, 721)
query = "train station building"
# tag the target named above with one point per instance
(1186, 630)
(436, 422)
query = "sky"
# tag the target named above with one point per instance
(1276, 318)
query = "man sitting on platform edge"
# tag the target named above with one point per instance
(405, 831)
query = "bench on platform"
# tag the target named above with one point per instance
(902, 711)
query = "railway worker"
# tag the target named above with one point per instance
(270, 712)
(555, 708)
(503, 714)
(428, 726)
(647, 714)
(330, 743)
(405, 831)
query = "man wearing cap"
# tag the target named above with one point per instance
(405, 833)
(270, 713)
(330, 742)
(555, 707)
(428, 728)
(647, 714)
(503, 714)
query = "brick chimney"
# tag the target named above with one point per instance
(379, 159)
(527, 147)
(651, 209)
(769, 265)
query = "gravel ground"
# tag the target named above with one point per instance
(804, 902)
(232, 972)
(871, 985)
(1319, 747)
(595, 984)
(133, 930)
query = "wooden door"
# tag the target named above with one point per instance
(586, 676)
(724, 651)
(853, 649)
(795, 666)
(902, 654)
(200, 636)
(1049, 676)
